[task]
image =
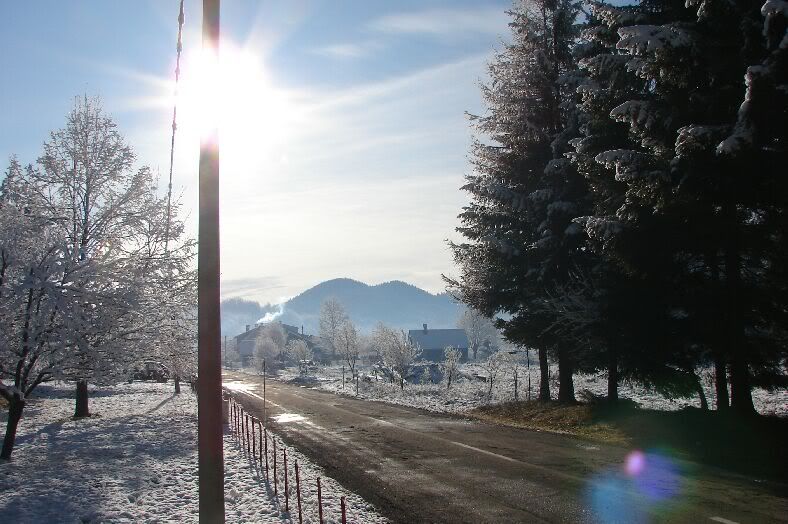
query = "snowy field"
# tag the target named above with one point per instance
(135, 460)
(471, 390)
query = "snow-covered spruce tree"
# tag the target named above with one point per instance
(520, 238)
(702, 233)
(756, 258)
(90, 191)
(604, 306)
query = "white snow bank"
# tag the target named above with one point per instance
(135, 460)
(471, 390)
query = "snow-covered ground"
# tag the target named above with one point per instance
(135, 460)
(471, 390)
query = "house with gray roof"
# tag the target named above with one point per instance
(245, 342)
(434, 341)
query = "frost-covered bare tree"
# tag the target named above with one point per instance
(332, 317)
(86, 186)
(300, 352)
(451, 364)
(347, 343)
(397, 350)
(231, 356)
(367, 348)
(494, 365)
(165, 255)
(37, 297)
(265, 350)
(479, 329)
(276, 333)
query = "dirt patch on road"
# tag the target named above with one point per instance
(578, 420)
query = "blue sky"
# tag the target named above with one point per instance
(345, 142)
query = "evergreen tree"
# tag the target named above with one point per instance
(705, 224)
(525, 193)
(617, 305)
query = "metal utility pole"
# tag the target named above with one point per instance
(209, 392)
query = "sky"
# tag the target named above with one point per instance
(343, 128)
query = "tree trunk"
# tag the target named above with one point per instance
(177, 380)
(475, 349)
(741, 392)
(82, 400)
(15, 407)
(704, 403)
(566, 385)
(720, 373)
(544, 376)
(612, 377)
(401, 383)
(721, 383)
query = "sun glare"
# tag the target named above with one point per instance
(236, 93)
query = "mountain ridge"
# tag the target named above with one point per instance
(396, 303)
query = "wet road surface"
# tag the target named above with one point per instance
(417, 466)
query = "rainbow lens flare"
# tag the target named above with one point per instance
(647, 483)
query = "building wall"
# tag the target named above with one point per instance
(437, 354)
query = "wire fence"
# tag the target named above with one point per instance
(287, 478)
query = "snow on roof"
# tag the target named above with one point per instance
(439, 338)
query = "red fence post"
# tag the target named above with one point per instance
(265, 441)
(260, 432)
(319, 501)
(298, 493)
(275, 478)
(254, 442)
(287, 492)
(344, 513)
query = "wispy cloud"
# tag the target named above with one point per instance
(255, 286)
(345, 51)
(444, 22)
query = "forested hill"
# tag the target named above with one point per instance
(237, 313)
(395, 303)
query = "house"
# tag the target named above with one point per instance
(434, 341)
(245, 342)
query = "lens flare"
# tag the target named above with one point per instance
(645, 484)
(635, 463)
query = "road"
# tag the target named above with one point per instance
(417, 466)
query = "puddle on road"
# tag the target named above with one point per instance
(284, 418)
(234, 385)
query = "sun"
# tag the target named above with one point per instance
(254, 117)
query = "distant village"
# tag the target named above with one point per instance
(431, 343)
